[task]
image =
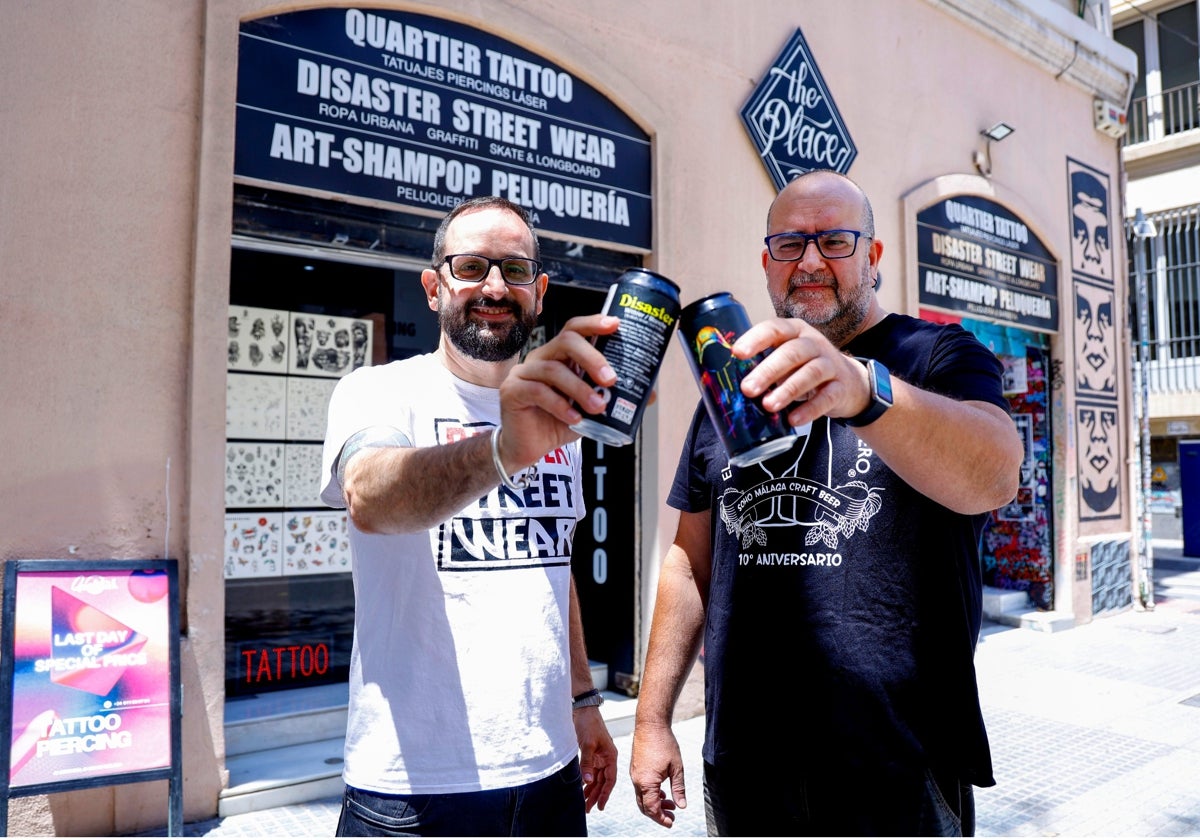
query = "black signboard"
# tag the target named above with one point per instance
(425, 112)
(792, 119)
(976, 257)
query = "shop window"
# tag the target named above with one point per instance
(296, 325)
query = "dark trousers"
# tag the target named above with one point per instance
(552, 806)
(757, 804)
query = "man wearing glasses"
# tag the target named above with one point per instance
(835, 587)
(472, 710)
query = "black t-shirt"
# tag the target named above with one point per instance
(844, 607)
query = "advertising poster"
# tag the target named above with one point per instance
(93, 661)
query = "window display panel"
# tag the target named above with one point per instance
(296, 326)
(287, 632)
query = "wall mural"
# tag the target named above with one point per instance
(1095, 340)
(1091, 252)
(1099, 484)
(1098, 440)
(1097, 437)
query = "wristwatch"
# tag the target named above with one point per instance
(881, 394)
(588, 698)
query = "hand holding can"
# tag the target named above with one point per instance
(648, 306)
(708, 328)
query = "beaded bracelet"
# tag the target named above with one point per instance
(527, 476)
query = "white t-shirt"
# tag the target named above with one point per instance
(460, 670)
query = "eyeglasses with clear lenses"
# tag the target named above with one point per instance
(832, 244)
(474, 268)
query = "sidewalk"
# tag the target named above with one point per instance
(1095, 731)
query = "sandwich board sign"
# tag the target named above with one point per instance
(90, 693)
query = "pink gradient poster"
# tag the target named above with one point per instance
(91, 679)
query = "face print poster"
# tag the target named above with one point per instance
(93, 659)
(1091, 246)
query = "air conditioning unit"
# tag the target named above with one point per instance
(1111, 119)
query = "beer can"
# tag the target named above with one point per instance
(708, 328)
(648, 306)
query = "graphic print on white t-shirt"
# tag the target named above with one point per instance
(510, 529)
(827, 507)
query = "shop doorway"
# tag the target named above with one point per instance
(289, 601)
(1017, 541)
(290, 626)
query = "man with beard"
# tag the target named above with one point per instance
(472, 710)
(850, 562)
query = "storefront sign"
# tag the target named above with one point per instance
(90, 689)
(268, 666)
(976, 257)
(426, 112)
(792, 119)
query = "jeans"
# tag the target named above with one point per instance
(915, 804)
(549, 807)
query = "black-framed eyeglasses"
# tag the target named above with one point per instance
(474, 268)
(832, 244)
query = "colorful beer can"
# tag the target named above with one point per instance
(648, 306)
(708, 328)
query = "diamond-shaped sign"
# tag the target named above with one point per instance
(792, 119)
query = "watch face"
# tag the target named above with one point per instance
(883, 383)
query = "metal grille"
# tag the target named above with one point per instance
(1173, 280)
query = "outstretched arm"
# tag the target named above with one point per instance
(965, 455)
(404, 489)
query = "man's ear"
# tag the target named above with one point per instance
(543, 283)
(429, 279)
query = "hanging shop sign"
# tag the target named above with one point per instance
(976, 257)
(425, 112)
(89, 687)
(792, 119)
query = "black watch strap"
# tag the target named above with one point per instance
(881, 394)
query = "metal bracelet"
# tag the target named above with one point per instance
(588, 698)
(527, 476)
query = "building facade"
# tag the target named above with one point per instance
(1161, 154)
(213, 210)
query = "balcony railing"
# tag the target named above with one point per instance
(1160, 115)
(1173, 372)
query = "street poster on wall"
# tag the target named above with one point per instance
(90, 687)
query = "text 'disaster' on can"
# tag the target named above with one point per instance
(648, 306)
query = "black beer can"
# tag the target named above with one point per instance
(648, 306)
(708, 328)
